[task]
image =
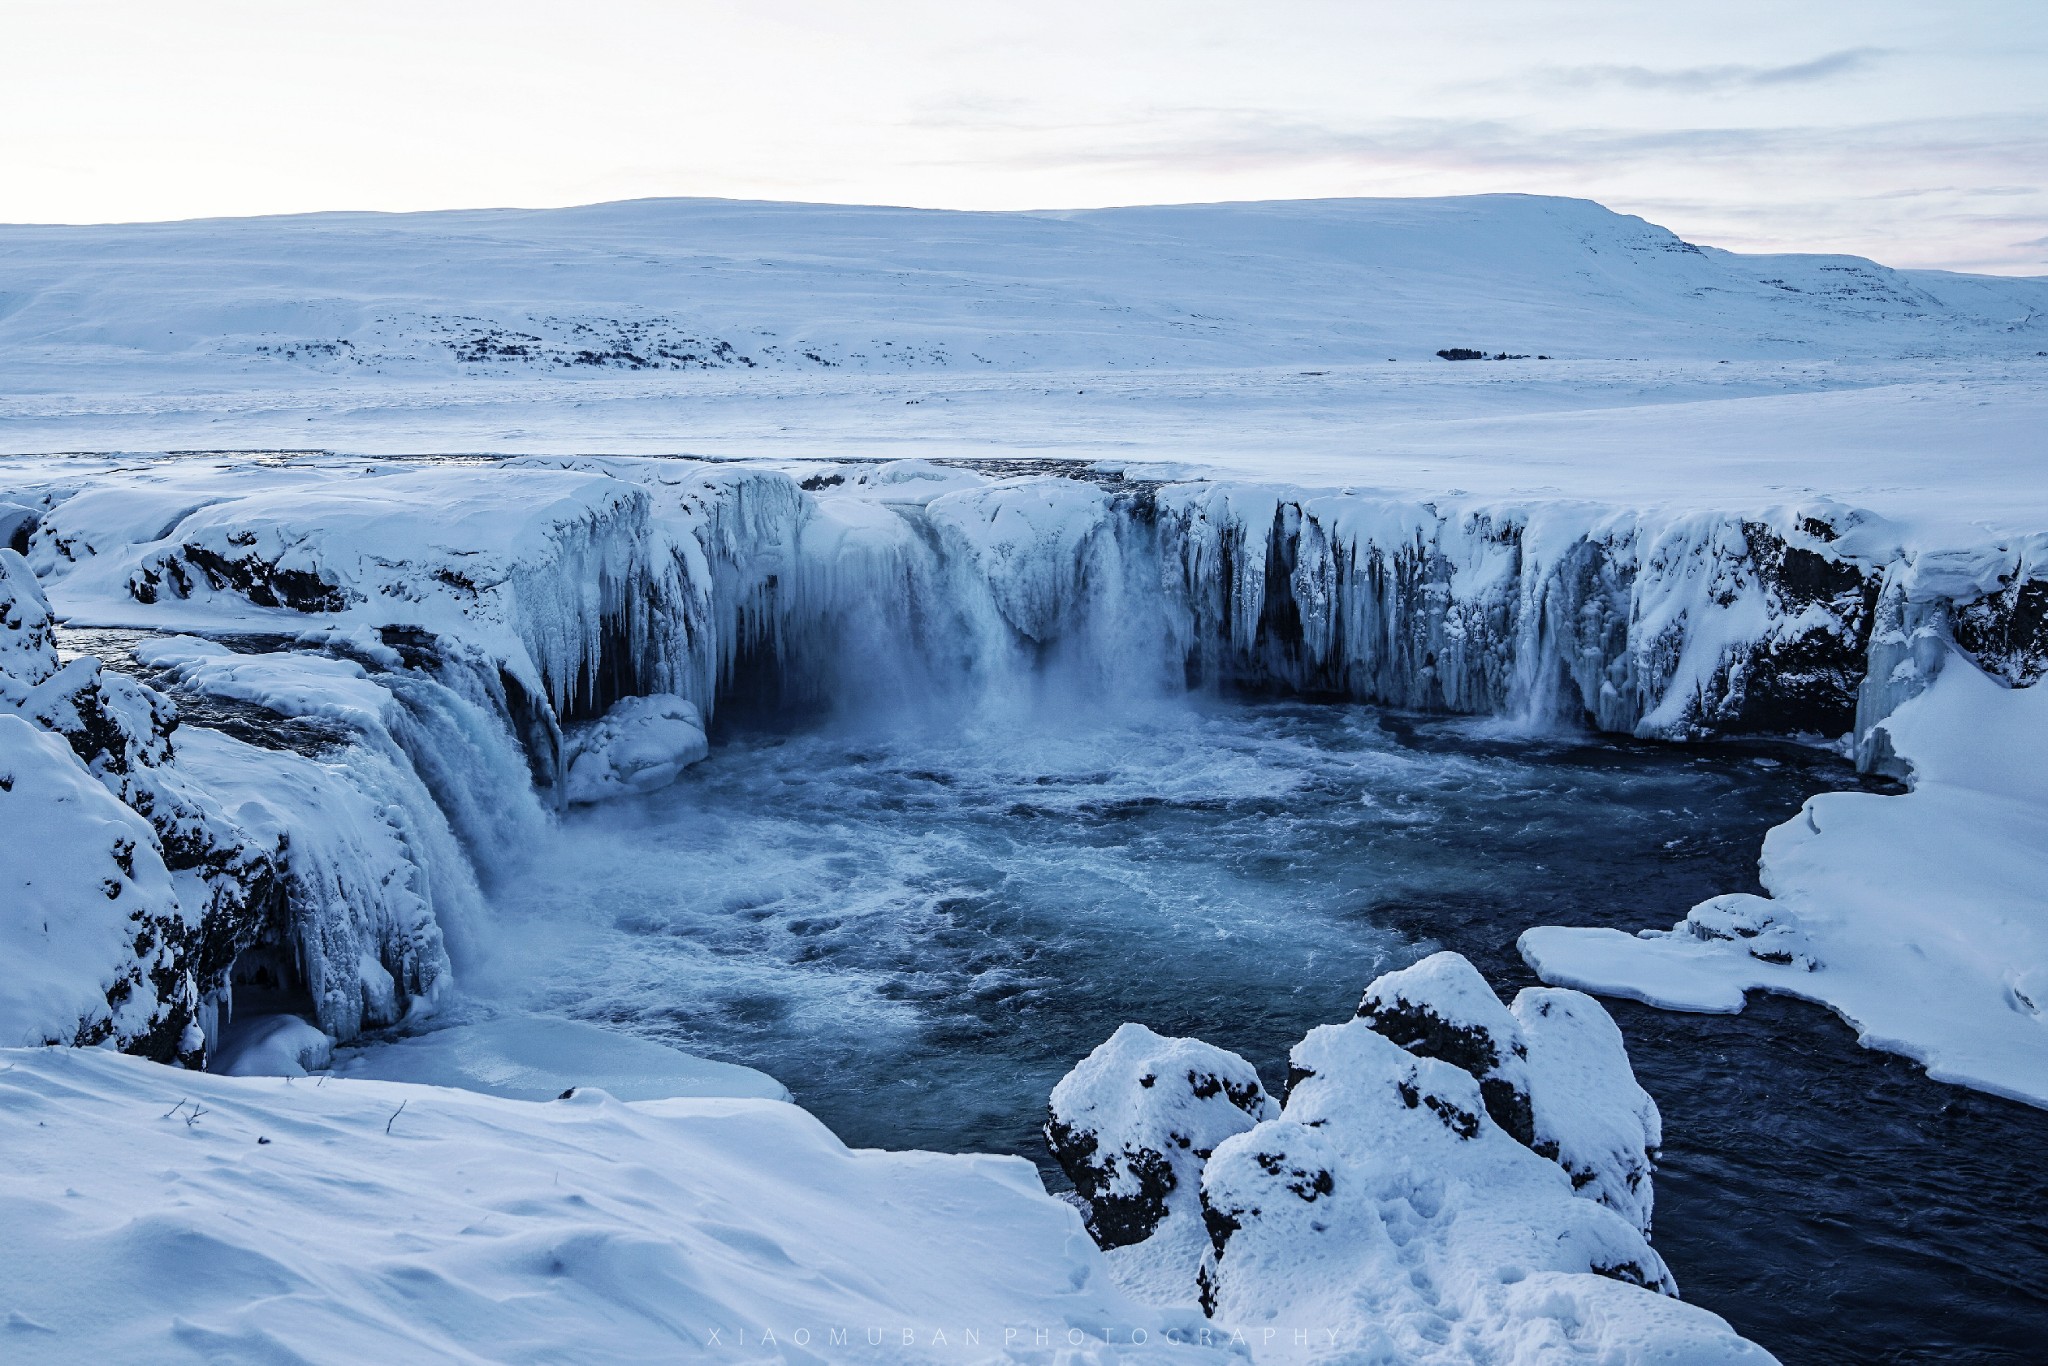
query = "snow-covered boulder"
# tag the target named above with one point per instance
(642, 744)
(1389, 1202)
(1552, 1071)
(114, 723)
(91, 925)
(1589, 1115)
(1442, 1008)
(28, 647)
(1131, 1126)
(1386, 1207)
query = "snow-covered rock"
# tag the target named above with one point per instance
(156, 1214)
(641, 745)
(550, 588)
(1388, 1202)
(1552, 1069)
(1588, 1114)
(225, 882)
(1442, 1008)
(1385, 1206)
(1131, 1126)
(28, 650)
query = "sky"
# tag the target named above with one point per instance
(1914, 133)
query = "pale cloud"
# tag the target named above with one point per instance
(1727, 78)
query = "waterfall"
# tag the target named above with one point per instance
(466, 615)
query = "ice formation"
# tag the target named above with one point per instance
(640, 745)
(1386, 1202)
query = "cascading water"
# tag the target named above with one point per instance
(858, 590)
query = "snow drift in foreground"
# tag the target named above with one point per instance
(1922, 919)
(160, 1215)
(1449, 1180)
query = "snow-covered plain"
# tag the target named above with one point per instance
(505, 505)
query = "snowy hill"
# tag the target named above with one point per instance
(691, 285)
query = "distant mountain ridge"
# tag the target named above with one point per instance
(685, 285)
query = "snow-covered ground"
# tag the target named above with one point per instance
(158, 1215)
(679, 452)
(1287, 341)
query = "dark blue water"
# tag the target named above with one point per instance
(919, 931)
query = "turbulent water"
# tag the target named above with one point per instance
(920, 928)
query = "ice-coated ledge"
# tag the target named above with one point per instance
(1922, 919)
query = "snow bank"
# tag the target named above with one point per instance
(1450, 1179)
(165, 1215)
(1921, 919)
